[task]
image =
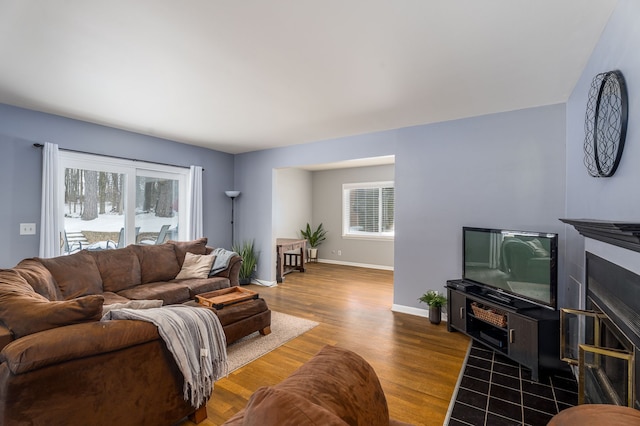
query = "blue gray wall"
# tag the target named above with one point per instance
(503, 170)
(614, 198)
(255, 173)
(21, 171)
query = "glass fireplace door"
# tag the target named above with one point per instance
(603, 355)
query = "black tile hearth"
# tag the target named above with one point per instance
(496, 391)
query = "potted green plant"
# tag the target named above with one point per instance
(249, 261)
(435, 300)
(314, 238)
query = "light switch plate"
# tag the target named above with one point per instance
(27, 229)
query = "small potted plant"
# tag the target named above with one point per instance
(435, 300)
(314, 238)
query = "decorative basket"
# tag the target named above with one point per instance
(492, 316)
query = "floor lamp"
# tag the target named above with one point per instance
(233, 195)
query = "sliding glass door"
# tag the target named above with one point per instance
(111, 203)
(158, 201)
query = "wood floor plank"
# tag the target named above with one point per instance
(418, 363)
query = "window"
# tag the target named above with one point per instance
(110, 203)
(368, 210)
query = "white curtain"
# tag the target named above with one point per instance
(50, 208)
(194, 219)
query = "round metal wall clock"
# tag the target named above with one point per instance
(605, 124)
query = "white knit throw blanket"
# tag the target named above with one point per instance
(195, 338)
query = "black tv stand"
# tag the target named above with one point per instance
(499, 297)
(526, 333)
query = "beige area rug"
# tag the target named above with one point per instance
(283, 328)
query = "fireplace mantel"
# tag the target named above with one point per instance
(621, 234)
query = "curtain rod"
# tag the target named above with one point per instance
(39, 145)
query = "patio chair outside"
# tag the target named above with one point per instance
(121, 242)
(73, 242)
(162, 235)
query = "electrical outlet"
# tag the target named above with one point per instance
(255, 268)
(27, 229)
(339, 252)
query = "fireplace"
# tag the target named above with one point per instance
(613, 291)
(603, 340)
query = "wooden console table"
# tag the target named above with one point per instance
(284, 245)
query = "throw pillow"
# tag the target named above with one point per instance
(25, 312)
(157, 262)
(39, 278)
(76, 275)
(270, 406)
(196, 266)
(198, 246)
(119, 269)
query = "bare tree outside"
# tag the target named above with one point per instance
(164, 206)
(102, 192)
(90, 205)
(73, 189)
(150, 196)
(116, 194)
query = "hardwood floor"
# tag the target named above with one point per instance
(418, 363)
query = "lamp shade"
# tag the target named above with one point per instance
(232, 194)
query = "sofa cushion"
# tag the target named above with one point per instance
(111, 297)
(342, 382)
(26, 312)
(76, 275)
(119, 269)
(198, 246)
(39, 278)
(195, 266)
(203, 285)
(157, 262)
(270, 406)
(170, 293)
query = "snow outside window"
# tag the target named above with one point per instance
(110, 203)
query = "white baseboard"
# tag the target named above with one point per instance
(264, 283)
(414, 311)
(359, 265)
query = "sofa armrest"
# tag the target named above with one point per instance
(232, 272)
(338, 385)
(70, 342)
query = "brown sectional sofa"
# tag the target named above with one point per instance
(61, 365)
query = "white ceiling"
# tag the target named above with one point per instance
(243, 75)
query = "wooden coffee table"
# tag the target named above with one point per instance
(218, 299)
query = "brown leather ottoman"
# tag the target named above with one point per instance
(241, 319)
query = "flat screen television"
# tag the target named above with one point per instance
(512, 265)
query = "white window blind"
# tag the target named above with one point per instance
(368, 209)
